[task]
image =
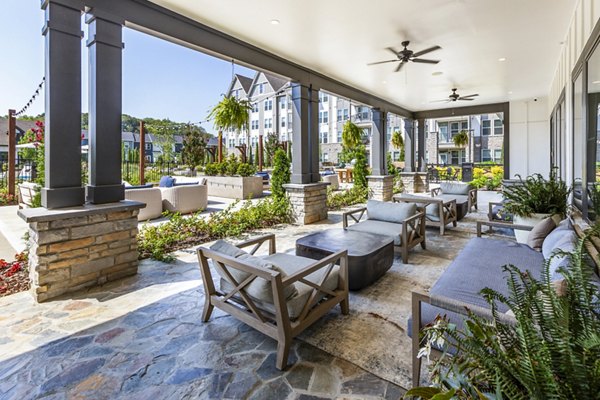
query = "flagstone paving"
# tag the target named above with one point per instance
(141, 338)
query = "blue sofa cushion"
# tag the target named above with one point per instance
(166, 181)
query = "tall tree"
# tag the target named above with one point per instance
(194, 146)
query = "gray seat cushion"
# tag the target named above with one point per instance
(432, 211)
(380, 228)
(455, 188)
(460, 199)
(477, 266)
(390, 212)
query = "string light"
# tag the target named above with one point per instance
(32, 99)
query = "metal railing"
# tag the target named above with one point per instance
(25, 170)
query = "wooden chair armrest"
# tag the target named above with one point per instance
(498, 224)
(317, 265)
(458, 307)
(258, 242)
(436, 191)
(351, 214)
(418, 215)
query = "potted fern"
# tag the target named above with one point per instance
(535, 198)
(230, 113)
(549, 348)
(461, 139)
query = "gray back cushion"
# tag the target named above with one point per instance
(390, 212)
(259, 288)
(455, 188)
(553, 238)
(566, 243)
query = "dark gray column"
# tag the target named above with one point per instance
(421, 164)
(62, 31)
(105, 107)
(313, 134)
(409, 146)
(379, 143)
(305, 134)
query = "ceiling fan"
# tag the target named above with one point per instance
(455, 96)
(407, 55)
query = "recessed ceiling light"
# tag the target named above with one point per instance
(509, 92)
(274, 22)
(437, 73)
(596, 82)
(384, 82)
(501, 59)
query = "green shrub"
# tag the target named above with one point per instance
(231, 165)
(281, 174)
(391, 169)
(245, 169)
(345, 198)
(158, 241)
(211, 169)
(360, 170)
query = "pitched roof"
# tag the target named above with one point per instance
(245, 82)
(22, 127)
(275, 81)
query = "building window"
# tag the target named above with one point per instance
(339, 136)
(268, 105)
(289, 119)
(486, 129)
(148, 146)
(254, 124)
(268, 123)
(242, 140)
(323, 117)
(443, 130)
(261, 88)
(283, 122)
(498, 155)
(255, 107)
(339, 115)
(324, 137)
(231, 142)
(254, 140)
(498, 127)
(443, 158)
(346, 114)
(324, 97)
(282, 102)
(486, 155)
(456, 127)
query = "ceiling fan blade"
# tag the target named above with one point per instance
(429, 50)
(465, 98)
(399, 67)
(383, 62)
(421, 60)
(392, 50)
(471, 95)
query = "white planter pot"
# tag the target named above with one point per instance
(532, 220)
(235, 187)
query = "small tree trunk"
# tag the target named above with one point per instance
(220, 147)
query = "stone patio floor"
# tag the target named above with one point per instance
(142, 338)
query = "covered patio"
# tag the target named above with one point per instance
(110, 326)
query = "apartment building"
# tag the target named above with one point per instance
(486, 137)
(272, 113)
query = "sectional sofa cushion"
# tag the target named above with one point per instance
(380, 228)
(390, 212)
(554, 237)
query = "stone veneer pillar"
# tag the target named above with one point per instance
(415, 182)
(309, 201)
(381, 187)
(75, 248)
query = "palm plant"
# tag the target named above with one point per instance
(549, 350)
(461, 139)
(230, 113)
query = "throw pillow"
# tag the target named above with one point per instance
(567, 244)
(553, 238)
(221, 246)
(166, 181)
(536, 236)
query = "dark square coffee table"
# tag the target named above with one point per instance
(369, 255)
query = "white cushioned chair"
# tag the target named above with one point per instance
(151, 196)
(278, 294)
(184, 199)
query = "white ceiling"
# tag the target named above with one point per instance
(339, 37)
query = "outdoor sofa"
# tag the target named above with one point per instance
(477, 266)
(149, 195)
(464, 194)
(184, 198)
(402, 221)
(278, 294)
(438, 212)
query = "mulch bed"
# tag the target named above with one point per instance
(14, 275)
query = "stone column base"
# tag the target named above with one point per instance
(381, 187)
(309, 201)
(75, 248)
(415, 182)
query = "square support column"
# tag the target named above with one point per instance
(381, 187)
(305, 139)
(379, 143)
(409, 146)
(309, 201)
(105, 103)
(62, 32)
(421, 164)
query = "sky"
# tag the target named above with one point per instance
(160, 79)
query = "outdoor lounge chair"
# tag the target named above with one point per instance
(464, 194)
(278, 294)
(402, 221)
(438, 212)
(184, 198)
(149, 195)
